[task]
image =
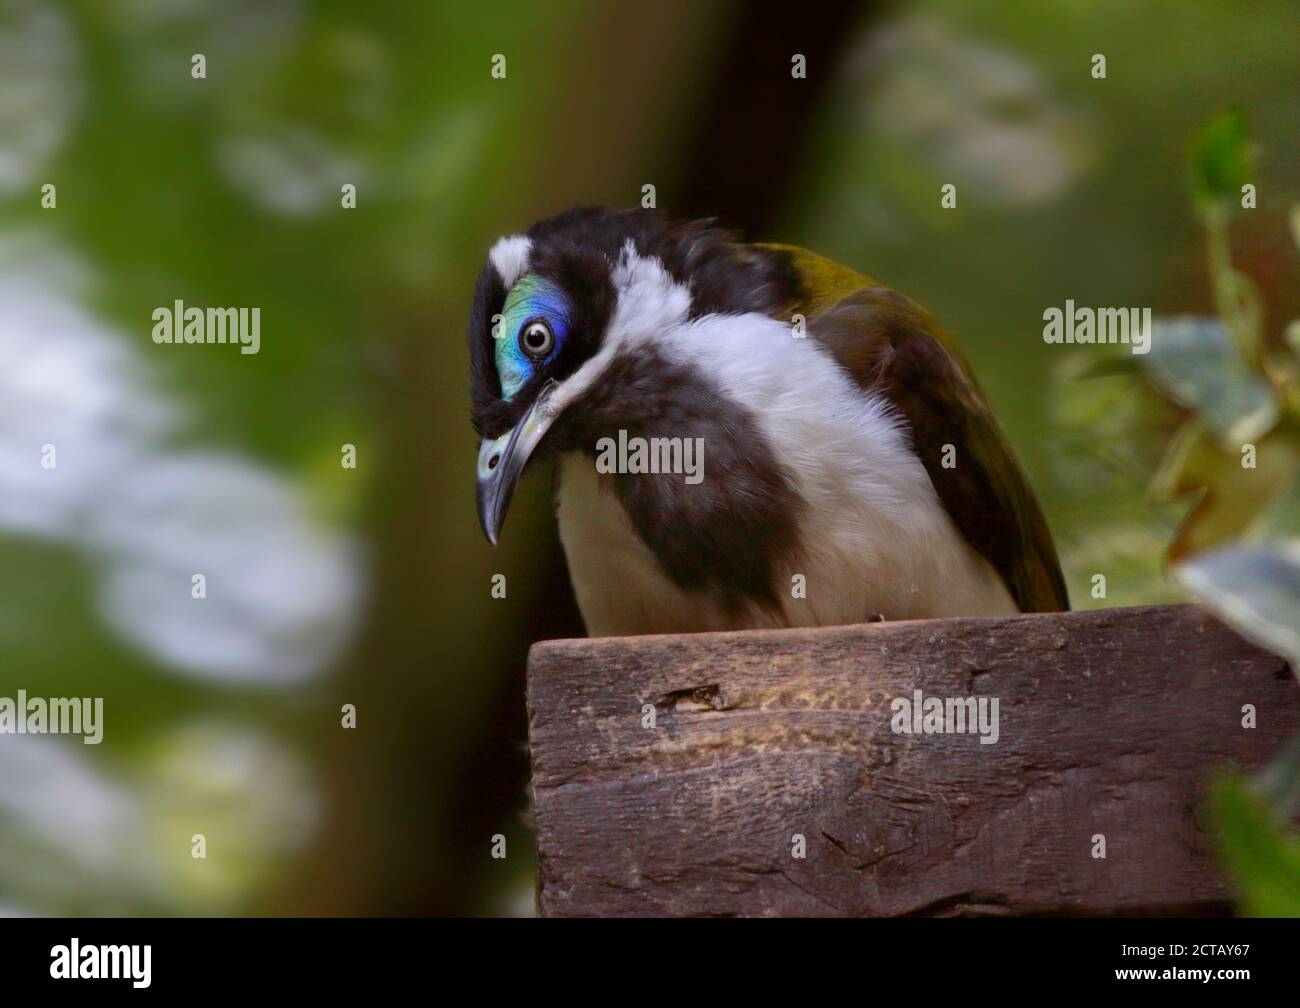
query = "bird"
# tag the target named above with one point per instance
(850, 469)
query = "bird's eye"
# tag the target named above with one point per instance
(536, 339)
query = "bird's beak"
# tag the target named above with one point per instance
(501, 462)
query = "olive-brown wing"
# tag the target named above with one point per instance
(892, 346)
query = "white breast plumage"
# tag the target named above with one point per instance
(873, 536)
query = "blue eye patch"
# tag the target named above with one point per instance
(531, 299)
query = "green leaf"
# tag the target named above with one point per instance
(1262, 858)
(1279, 782)
(1255, 589)
(1221, 163)
(1195, 363)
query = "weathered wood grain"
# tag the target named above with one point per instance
(1110, 722)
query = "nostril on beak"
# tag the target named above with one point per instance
(492, 462)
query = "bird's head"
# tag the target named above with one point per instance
(565, 333)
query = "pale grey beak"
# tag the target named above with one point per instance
(501, 462)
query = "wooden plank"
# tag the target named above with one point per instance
(1109, 722)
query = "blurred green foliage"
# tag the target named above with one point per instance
(1221, 164)
(1263, 858)
(1238, 453)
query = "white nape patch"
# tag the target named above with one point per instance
(874, 537)
(648, 304)
(509, 256)
(649, 300)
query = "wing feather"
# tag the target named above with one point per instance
(893, 347)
